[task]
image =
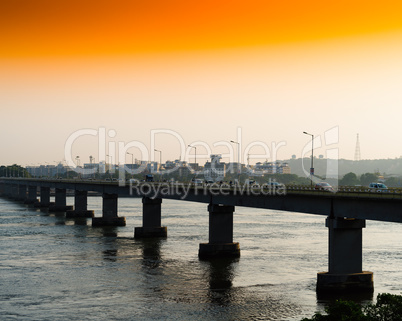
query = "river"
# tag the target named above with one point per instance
(52, 268)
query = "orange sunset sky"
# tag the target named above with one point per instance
(203, 69)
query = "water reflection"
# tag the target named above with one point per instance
(151, 252)
(109, 231)
(110, 255)
(358, 297)
(80, 221)
(221, 273)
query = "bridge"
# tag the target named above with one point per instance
(346, 212)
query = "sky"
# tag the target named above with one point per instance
(123, 78)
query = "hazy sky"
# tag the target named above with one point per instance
(258, 72)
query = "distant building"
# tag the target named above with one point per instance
(215, 170)
(46, 170)
(283, 168)
(102, 166)
(90, 169)
(271, 168)
(194, 167)
(235, 168)
(152, 167)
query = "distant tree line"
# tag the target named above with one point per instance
(13, 171)
(351, 179)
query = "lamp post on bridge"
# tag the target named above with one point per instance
(57, 169)
(238, 159)
(47, 166)
(78, 164)
(195, 157)
(132, 163)
(160, 163)
(312, 157)
(110, 165)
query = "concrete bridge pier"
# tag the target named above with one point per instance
(109, 212)
(21, 193)
(14, 192)
(60, 201)
(7, 190)
(151, 219)
(80, 206)
(31, 196)
(345, 272)
(220, 234)
(44, 198)
(3, 189)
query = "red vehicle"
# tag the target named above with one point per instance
(323, 186)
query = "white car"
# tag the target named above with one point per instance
(377, 187)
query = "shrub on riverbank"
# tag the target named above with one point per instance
(387, 308)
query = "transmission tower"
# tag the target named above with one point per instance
(357, 150)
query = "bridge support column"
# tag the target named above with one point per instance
(151, 219)
(60, 201)
(14, 192)
(345, 258)
(21, 193)
(8, 190)
(80, 206)
(31, 196)
(220, 234)
(44, 197)
(109, 212)
(3, 189)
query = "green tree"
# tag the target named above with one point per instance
(340, 311)
(387, 308)
(367, 178)
(349, 179)
(393, 182)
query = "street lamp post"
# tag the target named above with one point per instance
(47, 166)
(66, 168)
(160, 162)
(312, 157)
(110, 165)
(90, 164)
(195, 157)
(132, 163)
(78, 163)
(57, 170)
(238, 159)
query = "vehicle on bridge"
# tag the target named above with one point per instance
(275, 184)
(251, 182)
(149, 178)
(323, 186)
(197, 181)
(378, 187)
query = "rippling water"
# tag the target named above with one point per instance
(52, 268)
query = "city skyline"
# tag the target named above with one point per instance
(272, 70)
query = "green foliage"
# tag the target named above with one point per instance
(13, 171)
(287, 179)
(387, 308)
(367, 178)
(350, 179)
(340, 311)
(394, 182)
